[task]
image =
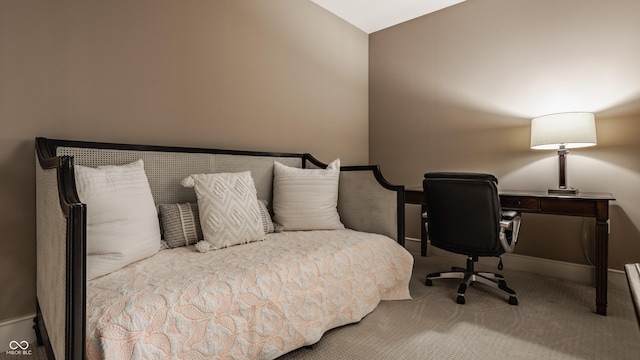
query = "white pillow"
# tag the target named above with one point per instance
(122, 221)
(228, 206)
(306, 199)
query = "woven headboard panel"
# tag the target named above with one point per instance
(165, 170)
(364, 204)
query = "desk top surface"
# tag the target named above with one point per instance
(544, 194)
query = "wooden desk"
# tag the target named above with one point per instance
(584, 204)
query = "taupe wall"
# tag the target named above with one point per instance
(277, 75)
(455, 89)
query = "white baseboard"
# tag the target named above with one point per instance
(17, 329)
(558, 269)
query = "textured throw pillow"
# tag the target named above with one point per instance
(228, 207)
(122, 221)
(306, 199)
(180, 224)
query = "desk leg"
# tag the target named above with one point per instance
(602, 264)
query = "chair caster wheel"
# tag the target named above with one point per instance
(428, 282)
(460, 300)
(513, 300)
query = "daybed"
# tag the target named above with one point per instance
(252, 299)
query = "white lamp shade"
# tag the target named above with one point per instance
(573, 130)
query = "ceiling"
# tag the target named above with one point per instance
(373, 15)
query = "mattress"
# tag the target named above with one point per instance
(252, 301)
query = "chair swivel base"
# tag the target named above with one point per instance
(469, 277)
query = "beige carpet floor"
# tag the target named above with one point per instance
(555, 319)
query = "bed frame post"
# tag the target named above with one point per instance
(76, 276)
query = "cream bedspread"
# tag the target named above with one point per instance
(251, 301)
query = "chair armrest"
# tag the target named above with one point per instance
(510, 222)
(509, 215)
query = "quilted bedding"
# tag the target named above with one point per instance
(251, 301)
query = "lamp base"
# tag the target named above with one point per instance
(569, 191)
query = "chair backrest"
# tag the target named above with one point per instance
(463, 211)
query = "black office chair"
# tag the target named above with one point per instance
(463, 216)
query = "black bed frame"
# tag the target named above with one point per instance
(75, 212)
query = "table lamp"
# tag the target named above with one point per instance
(561, 132)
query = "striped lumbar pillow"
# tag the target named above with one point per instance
(180, 224)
